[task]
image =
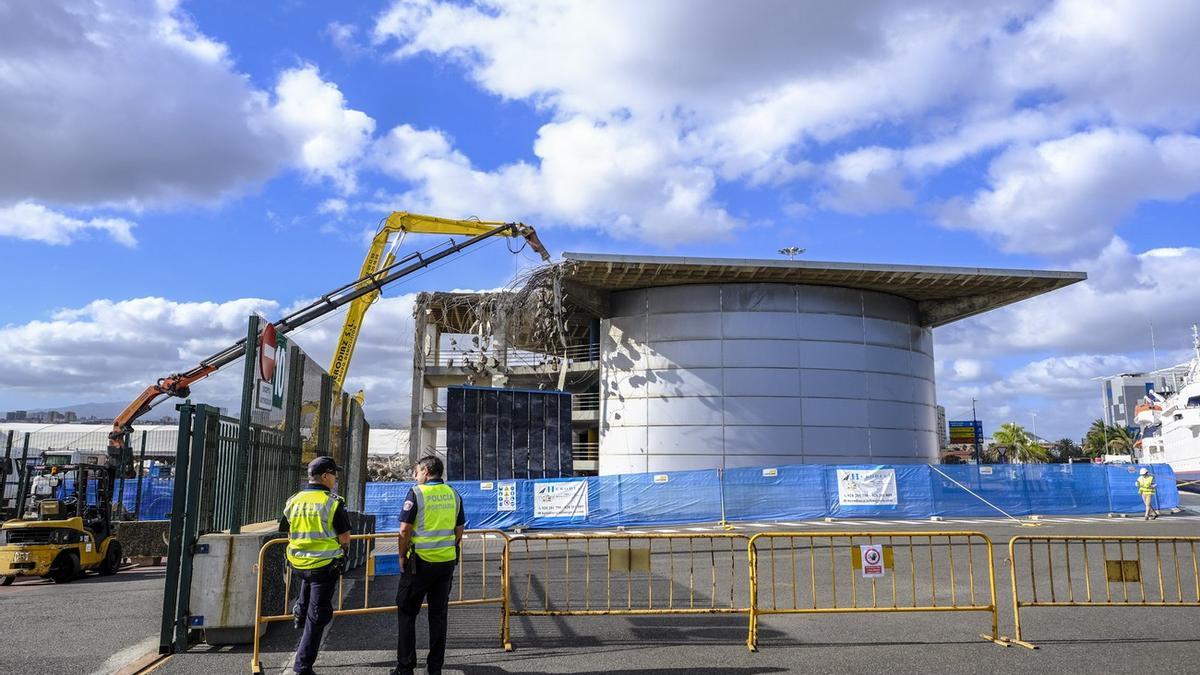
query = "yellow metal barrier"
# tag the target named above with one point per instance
(487, 585)
(835, 572)
(624, 574)
(1066, 571)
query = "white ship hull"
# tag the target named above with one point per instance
(1176, 439)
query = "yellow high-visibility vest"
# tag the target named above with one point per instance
(312, 543)
(437, 516)
(1145, 485)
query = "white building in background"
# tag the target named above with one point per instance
(943, 430)
(1120, 394)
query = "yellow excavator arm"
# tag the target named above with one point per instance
(380, 257)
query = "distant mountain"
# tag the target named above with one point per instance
(105, 410)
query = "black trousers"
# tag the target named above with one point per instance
(422, 582)
(315, 605)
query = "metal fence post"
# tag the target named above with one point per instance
(325, 416)
(191, 522)
(23, 484)
(137, 499)
(243, 447)
(166, 638)
(4, 475)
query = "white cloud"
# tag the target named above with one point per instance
(329, 137)
(124, 104)
(867, 180)
(344, 36)
(750, 92)
(1069, 195)
(143, 339)
(333, 206)
(1135, 61)
(618, 177)
(34, 222)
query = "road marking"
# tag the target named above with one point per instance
(127, 655)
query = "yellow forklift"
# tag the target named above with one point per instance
(62, 530)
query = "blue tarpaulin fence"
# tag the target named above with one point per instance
(155, 502)
(794, 492)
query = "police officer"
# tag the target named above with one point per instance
(431, 527)
(1147, 488)
(318, 529)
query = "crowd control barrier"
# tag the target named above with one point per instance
(480, 580)
(625, 574)
(1067, 571)
(871, 572)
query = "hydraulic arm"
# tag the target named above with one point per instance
(401, 223)
(371, 282)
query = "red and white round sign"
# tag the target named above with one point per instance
(266, 353)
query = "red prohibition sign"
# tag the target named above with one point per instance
(872, 556)
(266, 353)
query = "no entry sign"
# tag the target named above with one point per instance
(266, 353)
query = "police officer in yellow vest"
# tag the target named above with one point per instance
(431, 527)
(1147, 488)
(318, 530)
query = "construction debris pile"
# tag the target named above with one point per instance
(392, 468)
(526, 317)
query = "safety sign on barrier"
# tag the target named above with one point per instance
(867, 487)
(872, 560)
(560, 499)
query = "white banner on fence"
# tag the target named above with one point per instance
(560, 499)
(867, 487)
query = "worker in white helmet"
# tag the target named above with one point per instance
(1146, 488)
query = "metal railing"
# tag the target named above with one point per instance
(1068, 571)
(484, 584)
(880, 572)
(624, 574)
(585, 452)
(585, 401)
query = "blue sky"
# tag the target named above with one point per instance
(170, 167)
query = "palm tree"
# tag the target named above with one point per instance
(1104, 439)
(1120, 442)
(1021, 447)
(1095, 443)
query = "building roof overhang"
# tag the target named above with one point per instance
(943, 294)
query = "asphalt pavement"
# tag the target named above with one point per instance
(1071, 640)
(94, 624)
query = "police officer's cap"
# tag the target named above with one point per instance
(322, 465)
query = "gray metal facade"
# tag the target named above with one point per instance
(728, 375)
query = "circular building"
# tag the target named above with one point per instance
(751, 374)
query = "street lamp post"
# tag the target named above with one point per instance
(791, 252)
(975, 433)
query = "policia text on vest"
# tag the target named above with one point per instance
(431, 527)
(318, 530)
